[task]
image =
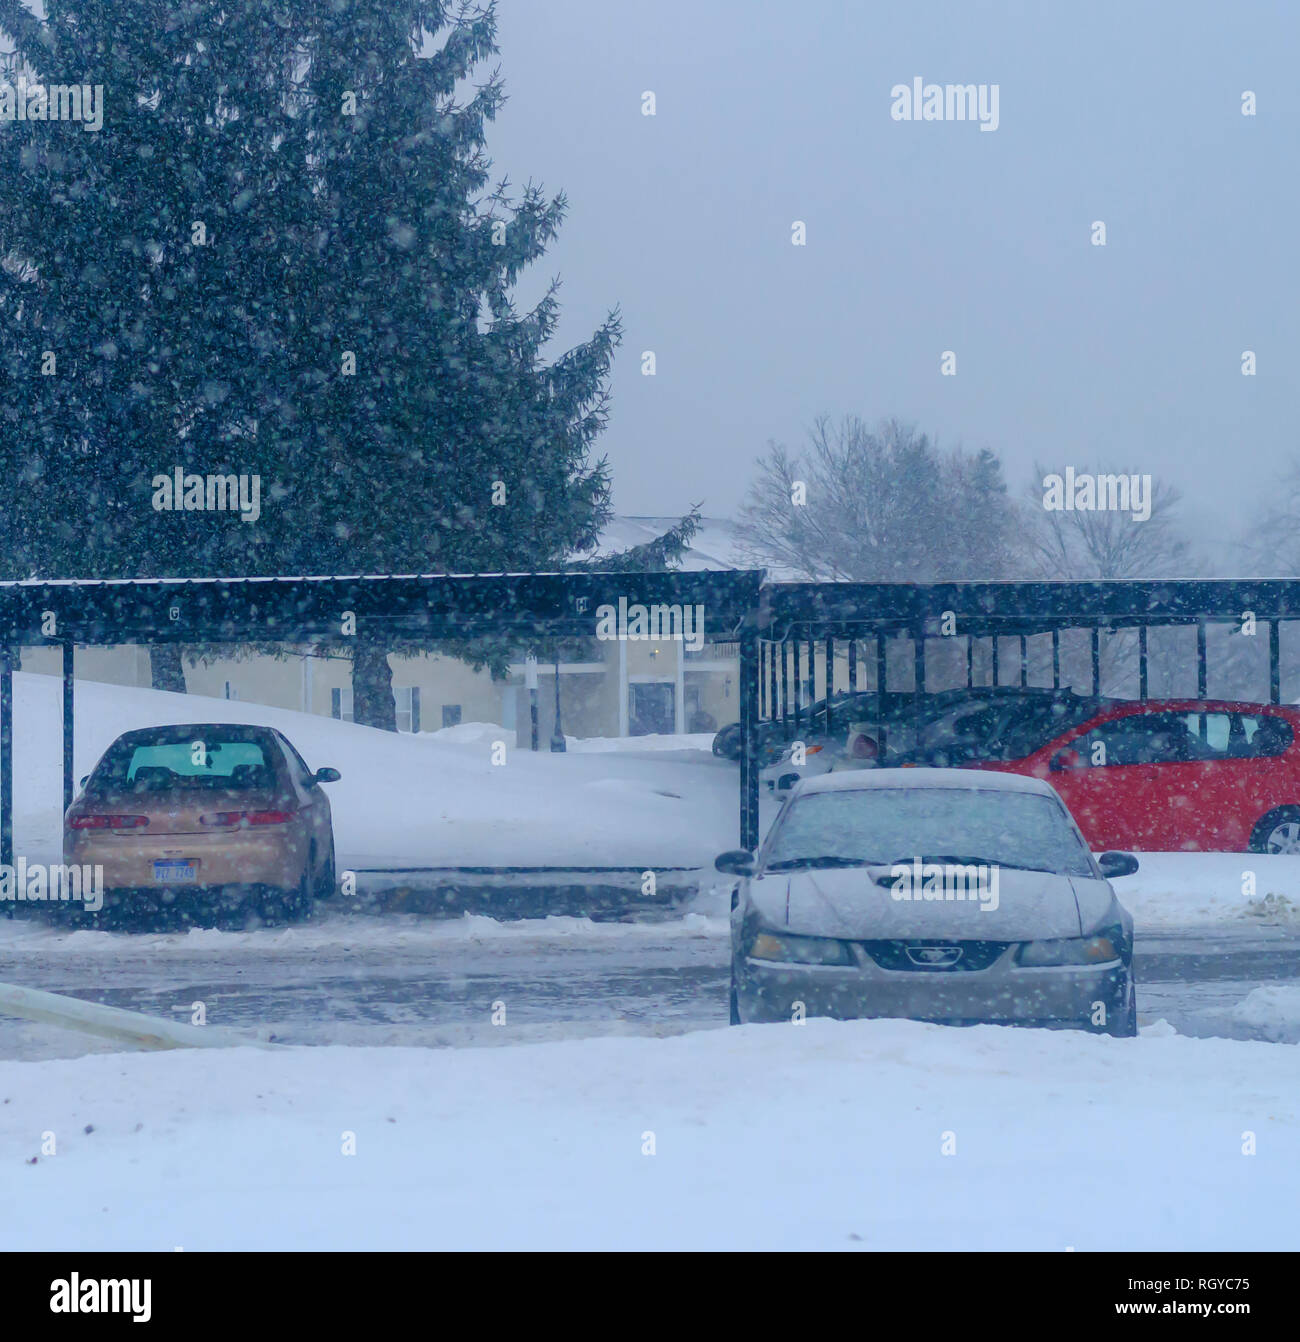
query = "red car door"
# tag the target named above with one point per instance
(1173, 777)
(1113, 776)
(1252, 773)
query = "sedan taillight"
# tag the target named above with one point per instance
(247, 818)
(108, 821)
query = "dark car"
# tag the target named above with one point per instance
(846, 708)
(966, 727)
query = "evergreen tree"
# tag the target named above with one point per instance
(283, 256)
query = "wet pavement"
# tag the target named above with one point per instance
(643, 979)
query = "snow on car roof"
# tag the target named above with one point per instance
(968, 779)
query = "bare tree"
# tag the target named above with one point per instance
(1103, 543)
(876, 504)
(1272, 544)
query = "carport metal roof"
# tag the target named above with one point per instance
(858, 610)
(416, 606)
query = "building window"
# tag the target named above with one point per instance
(341, 705)
(408, 707)
(451, 715)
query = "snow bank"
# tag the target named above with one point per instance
(397, 931)
(1273, 1012)
(821, 1136)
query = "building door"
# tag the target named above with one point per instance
(652, 710)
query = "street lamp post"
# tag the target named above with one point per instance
(558, 743)
(530, 679)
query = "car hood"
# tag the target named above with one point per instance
(847, 903)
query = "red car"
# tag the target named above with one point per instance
(1177, 775)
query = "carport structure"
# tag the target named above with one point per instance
(775, 625)
(518, 608)
(795, 620)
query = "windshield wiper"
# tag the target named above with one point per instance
(793, 863)
(968, 860)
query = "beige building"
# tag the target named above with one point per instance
(630, 689)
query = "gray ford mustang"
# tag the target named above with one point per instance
(948, 895)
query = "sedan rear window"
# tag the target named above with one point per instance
(166, 765)
(887, 825)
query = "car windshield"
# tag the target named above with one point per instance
(887, 825)
(154, 766)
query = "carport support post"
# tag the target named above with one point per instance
(1275, 662)
(918, 678)
(1142, 662)
(783, 681)
(1056, 659)
(1024, 662)
(1096, 660)
(748, 742)
(993, 649)
(771, 681)
(798, 682)
(770, 695)
(830, 679)
(970, 661)
(853, 666)
(69, 652)
(1201, 677)
(7, 760)
(530, 679)
(882, 672)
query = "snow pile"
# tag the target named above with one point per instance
(828, 1135)
(396, 931)
(1273, 1012)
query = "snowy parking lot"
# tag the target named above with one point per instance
(445, 1081)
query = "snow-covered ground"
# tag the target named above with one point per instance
(872, 1135)
(1193, 889)
(823, 1135)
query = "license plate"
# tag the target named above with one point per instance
(172, 873)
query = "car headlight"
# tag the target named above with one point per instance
(799, 950)
(1098, 950)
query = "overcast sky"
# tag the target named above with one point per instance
(924, 236)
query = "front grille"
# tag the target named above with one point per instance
(975, 955)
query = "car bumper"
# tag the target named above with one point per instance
(271, 857)
(1003, 994)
